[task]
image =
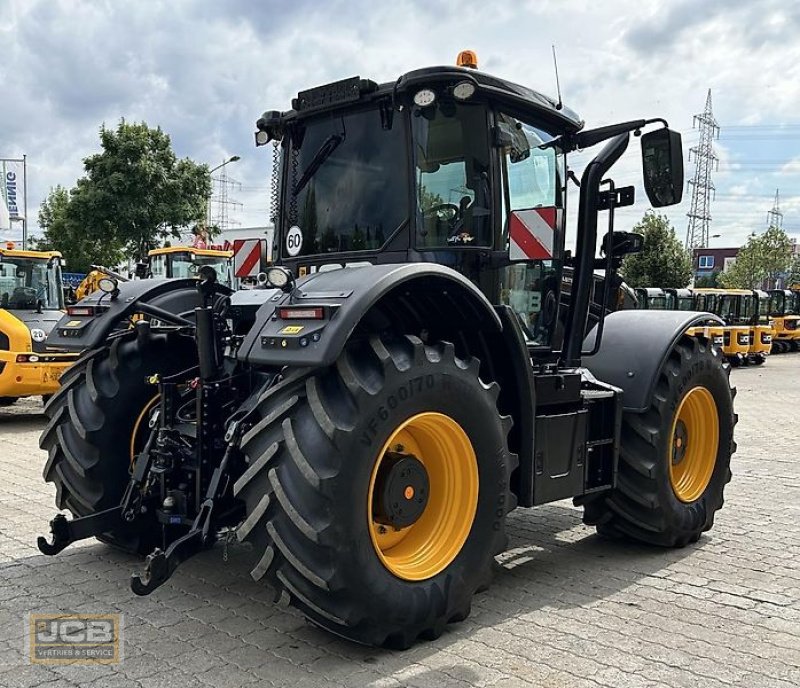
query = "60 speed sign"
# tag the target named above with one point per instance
(294, 241)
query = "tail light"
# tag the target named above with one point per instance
(83, 310)
(302, 313)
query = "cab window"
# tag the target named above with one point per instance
(158, 266)
(451, 164)
(532, 173)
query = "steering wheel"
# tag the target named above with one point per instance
(444, 211)
(23, 295)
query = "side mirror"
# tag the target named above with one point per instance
(662, 166)
(618, 244)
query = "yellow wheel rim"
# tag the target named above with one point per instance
(692, 454)
(137, 434)
(428, 546)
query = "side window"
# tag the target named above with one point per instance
(158, 266)
(532, 224)
(452, 176)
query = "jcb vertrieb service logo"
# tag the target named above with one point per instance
(75, 638)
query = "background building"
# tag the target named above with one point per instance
(707, 262)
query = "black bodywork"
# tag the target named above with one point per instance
(565, 392)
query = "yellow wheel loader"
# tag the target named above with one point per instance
(31, 303)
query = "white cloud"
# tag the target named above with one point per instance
(205, 70)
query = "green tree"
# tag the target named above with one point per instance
(663, 262)
(776, 253)
(64, 231)
(763, 257)
(137, 192)
(794, 273)
(747, 271)
(708, 282)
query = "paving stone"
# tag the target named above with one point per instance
(566, 609)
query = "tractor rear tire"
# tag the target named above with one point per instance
(98, 418)
(313, 458)
(674, 458)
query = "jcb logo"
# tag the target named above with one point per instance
(75, 638)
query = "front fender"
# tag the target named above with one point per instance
(634, 347)
(79, 332)
(387, 295)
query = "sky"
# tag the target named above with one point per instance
(204, 70)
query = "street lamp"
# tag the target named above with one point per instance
(233, 158)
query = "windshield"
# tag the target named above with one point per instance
(728, 308)
(26, 282)
(186, 265)
(345, 183)
(778, 303)
(747, 306)
(657, 303)
(763, 308)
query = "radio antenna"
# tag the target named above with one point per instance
(558, 83)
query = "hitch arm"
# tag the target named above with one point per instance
(160, 565)
(66, 532)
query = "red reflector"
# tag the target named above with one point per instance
(80, 310)
(317, 313)
(22, 358)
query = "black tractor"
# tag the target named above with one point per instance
(410, 370)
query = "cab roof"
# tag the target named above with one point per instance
(354, 90)
(724, 292)
(19, 253)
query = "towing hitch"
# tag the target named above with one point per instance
(66, 532)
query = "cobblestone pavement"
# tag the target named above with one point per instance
(566, 610)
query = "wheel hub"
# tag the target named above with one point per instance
(680, 441)
(401, 490)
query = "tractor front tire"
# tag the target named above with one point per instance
(98, 421)
(674, 458)
(394, 426)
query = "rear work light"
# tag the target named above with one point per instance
(315, 313)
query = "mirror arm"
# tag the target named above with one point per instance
(591, 137)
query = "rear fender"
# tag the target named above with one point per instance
(371, 298)
(634, 348)
(76, 332)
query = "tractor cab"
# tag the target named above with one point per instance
(31, 303)
(452, 166)
(177, 262)
(684, 300)
(726, 303)
(761, 324)
(652, 299)
(784, 310)
(680, 300)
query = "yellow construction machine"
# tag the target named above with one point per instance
(31, 303)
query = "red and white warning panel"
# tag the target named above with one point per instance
(248, 255)
(532, 233)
